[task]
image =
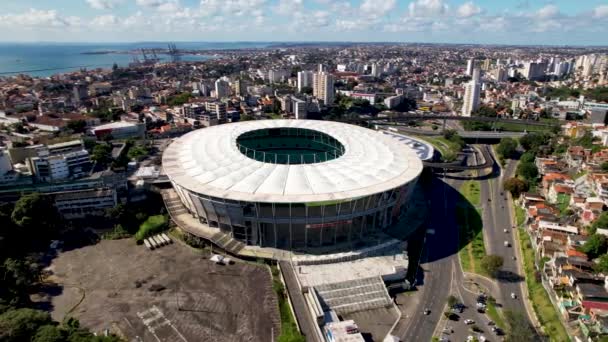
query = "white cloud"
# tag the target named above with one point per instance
(151, 3)
(34, 18)
(547, 12)
(600, 11)
(468, 9)
(102, 4)
(376, 8)
(428, 8)
(288, 6)
(105, 22)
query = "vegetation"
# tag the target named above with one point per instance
(153, 225)
(520, 215)
(180, 99)
(102, 154)
(595, 246)
(545, 311)
(602, 264)
(468, 218)
(491, 264)
(515, 186)
(527, 171)
(32, 216)
(452, 300)
(519, 328)
(494, 314)
(289, 330)
(601, 223)
(138, 152)
(596, 94)
(507, 148)
(77, 126)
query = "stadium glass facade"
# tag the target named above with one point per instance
(299, 225)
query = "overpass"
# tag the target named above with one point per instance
(413, 117)
(463, 134)
(487, 157)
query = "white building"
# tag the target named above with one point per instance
(222, 89)
(304, 79)
(323, 87)
(300, 108)
(393, 101)
(471, 98)
(276, 76)
(217, 109)
(53, 164)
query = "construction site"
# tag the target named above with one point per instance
(173, 293)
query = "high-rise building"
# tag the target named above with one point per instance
(222, 89)
(304, 79)
(486, 64)
(323, 87)
(80, 92)
(375, 70)
(470, 66)
(239, 87)
(300, 108)
(534, 70)
(218, 109)
(476, 76)
(471, 98)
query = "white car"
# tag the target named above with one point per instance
(469, 321)
(513, 295)
(504, 230)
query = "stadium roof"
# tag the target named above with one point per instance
(208, 161)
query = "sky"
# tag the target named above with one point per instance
(530, 22)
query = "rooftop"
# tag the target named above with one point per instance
(208, 161)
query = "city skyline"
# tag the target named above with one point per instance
(432, 21)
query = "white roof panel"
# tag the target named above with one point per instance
(207, 161)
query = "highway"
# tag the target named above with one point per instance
(496, 218)
(409, 117)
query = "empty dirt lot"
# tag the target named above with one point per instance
(171, 294)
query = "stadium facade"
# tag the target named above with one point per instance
(292, 184)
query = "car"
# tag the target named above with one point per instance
(491, 323)
(482, 338)
(504, 230)
(481, 310)
(444, 339)
(513, 295)
(469, 321)
(448, 330)
(481, 305)
(427, 311)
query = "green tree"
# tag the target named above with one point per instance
(527, 157)
(600, 222)
(515, 186)
(532, 141)
(452, 300)
(528, 171)
(602, 264)
(595, 246)
(22, 324)
(102, 154)
(492, 264)
(77, 126)
(604, 166)
(507, 148)
(36, 214)
(49, 333)
(306, 90)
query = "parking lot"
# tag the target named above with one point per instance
(173, 293)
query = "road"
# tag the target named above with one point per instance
(441, 274)
(497, 218)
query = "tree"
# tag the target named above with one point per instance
(528, 171)
(595, 246)
(102, 154)
(21, 324)
(452, 300)
(507, 148)
(77, 126)
(36, 214)
(49, 333)
(532, 141)
(600, 222)
(492, 264)
(602, 264)
(515, 186)
(527, 157)
(485, 111)
(604, 166)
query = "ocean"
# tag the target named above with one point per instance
(46, 59)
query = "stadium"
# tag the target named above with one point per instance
(294, 184)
